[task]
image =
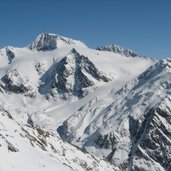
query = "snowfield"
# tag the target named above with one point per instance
(22, 147)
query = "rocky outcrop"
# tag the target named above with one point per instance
(151, 141)
(74, 75)
(12, 81)
(118, 49)
(10, 54)
(48, 41)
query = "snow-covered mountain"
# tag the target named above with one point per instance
(112, 104)
(48, 41)
(130, 128)
(118, 49)
(73, 75)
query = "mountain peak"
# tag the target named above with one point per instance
(165, 62)
(75, 74)
(118, 49)
(160, 67)
(50, 41)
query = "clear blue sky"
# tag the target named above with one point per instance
(141, 25)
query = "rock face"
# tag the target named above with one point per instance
(74, 75)
(118, 49)
(151, 140)
(47, 41)
(14, 82)
(133, 130)
(10, 54)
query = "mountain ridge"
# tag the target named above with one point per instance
(118, 49)
(133, 108)
(49, 41)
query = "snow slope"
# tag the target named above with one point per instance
(23, 147)
(133, 129)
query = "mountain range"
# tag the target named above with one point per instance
(69, 107)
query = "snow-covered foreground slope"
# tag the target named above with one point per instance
(58, 84)
(131, 129)
(23, 147)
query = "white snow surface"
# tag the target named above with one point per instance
(22, 147)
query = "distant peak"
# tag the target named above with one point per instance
(74, 51)
(164, 63)
(50, 41)
(118, 49)
(46, 34)
(157, 70)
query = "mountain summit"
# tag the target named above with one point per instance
(118, 49)
(49, 41)
(73, 75)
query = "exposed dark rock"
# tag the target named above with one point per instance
(48, 41)
(72, 76)
(63, 132)
(44, 42)
(11, 147)
(10, 54)
(35, 141)
(153, 138)
(13, 82)
(118, 49)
